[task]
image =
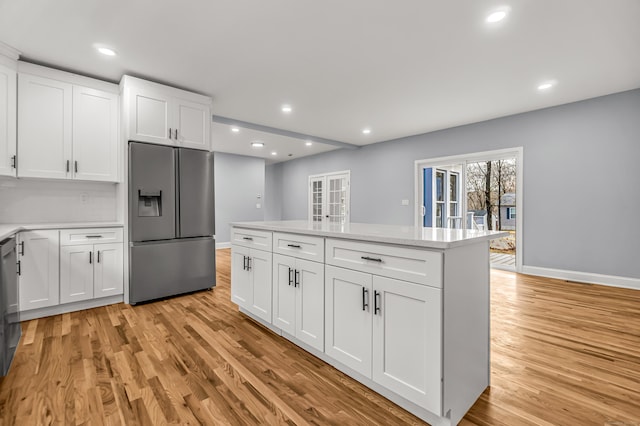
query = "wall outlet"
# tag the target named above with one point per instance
(405, 202)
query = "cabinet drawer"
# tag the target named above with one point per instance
(252, 238)
(301, 246)
(70, 237)
(415, 265)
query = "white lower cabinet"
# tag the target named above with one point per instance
(298, 299)
(76, 273)
(90, 271)
(251, 280)
(407, 336)
(348, 332)
(54, 272)
(38, 266)
(409, 322)
(108, 279)
(387, 330)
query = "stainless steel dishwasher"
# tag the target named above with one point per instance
(9, 316)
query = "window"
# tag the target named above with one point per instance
(442, 204)
(329, 197)
(440, 194)
(453, 196)
(511, 212)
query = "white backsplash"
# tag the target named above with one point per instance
(42, 201)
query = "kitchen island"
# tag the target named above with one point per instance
(403, 310)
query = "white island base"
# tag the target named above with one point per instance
(404, 311)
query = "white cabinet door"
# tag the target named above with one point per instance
(241, 291)
(107, 270)
(284, 293)
(310, 303)
(39, 267)
(407, 341)
(192, 122)
(150, 119)
(260, 269)
(76, 273)
(44, 127)
(348, 309)
(95, 135)
(8, 108)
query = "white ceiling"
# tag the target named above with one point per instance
(400, 68)
(286, 148)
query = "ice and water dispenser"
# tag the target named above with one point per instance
(149, 203)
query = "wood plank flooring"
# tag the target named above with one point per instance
(562, 354)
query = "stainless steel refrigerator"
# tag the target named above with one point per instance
(171, 221)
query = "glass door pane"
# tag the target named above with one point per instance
(337, 205)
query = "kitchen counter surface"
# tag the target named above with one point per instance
(6, 230)
(439, 238)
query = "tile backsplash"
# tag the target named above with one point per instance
(41, 201)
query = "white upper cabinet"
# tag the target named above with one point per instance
(66, 130)
(95, 134)
(192, 123)
(149, 121)
(44, 127)
(8, 108)
(165, 115)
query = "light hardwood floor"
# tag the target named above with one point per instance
(562, 354)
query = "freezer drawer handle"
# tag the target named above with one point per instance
(376, 306)
(290, 276)
(373, 259)
(293, 245)
(247, 238)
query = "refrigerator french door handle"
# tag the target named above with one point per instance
(177, 192)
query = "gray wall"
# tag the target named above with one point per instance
(273, 192)
(238, 181)
(581, 175)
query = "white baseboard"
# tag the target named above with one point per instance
(223, 245)
(69, 307)
(583, 277)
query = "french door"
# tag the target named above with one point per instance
(329, 196)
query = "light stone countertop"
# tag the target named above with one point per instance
(8, 229)
(440, 238)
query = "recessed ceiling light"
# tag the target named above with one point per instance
(496, 16)
(308, 143)
(366, 131)
(286, 109)
(106, 51)
(235, 129)
(545, 86)
(274, 153)
(257, 144)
